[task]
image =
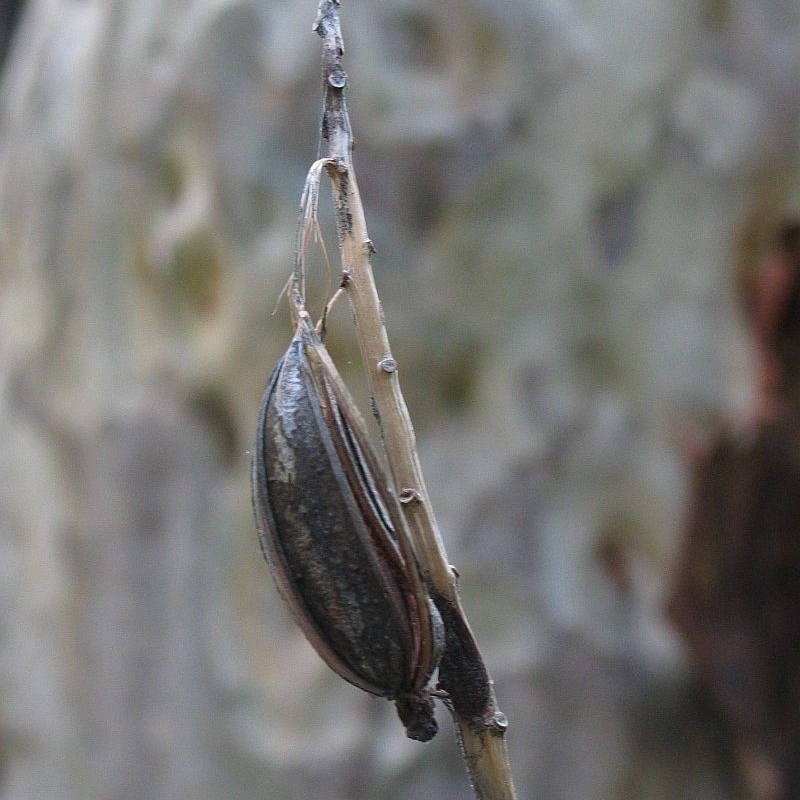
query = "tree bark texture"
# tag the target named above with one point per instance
(552, 207)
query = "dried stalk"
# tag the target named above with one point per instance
(462, 674)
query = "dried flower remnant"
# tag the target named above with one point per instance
(376, 551)
(333, 536)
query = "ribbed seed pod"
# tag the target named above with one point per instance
(333, 536)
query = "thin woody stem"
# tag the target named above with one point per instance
(462, 673)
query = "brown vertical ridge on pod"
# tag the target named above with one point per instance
(333, 537)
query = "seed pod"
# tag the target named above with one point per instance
(333, 536)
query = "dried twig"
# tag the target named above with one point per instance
(462, 673)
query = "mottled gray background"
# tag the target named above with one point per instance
(560, 193)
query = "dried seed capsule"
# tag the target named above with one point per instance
(334, 538)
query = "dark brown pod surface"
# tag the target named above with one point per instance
(327, 527)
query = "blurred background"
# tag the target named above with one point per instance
(569, 200)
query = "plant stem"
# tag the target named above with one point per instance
(462, 673)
